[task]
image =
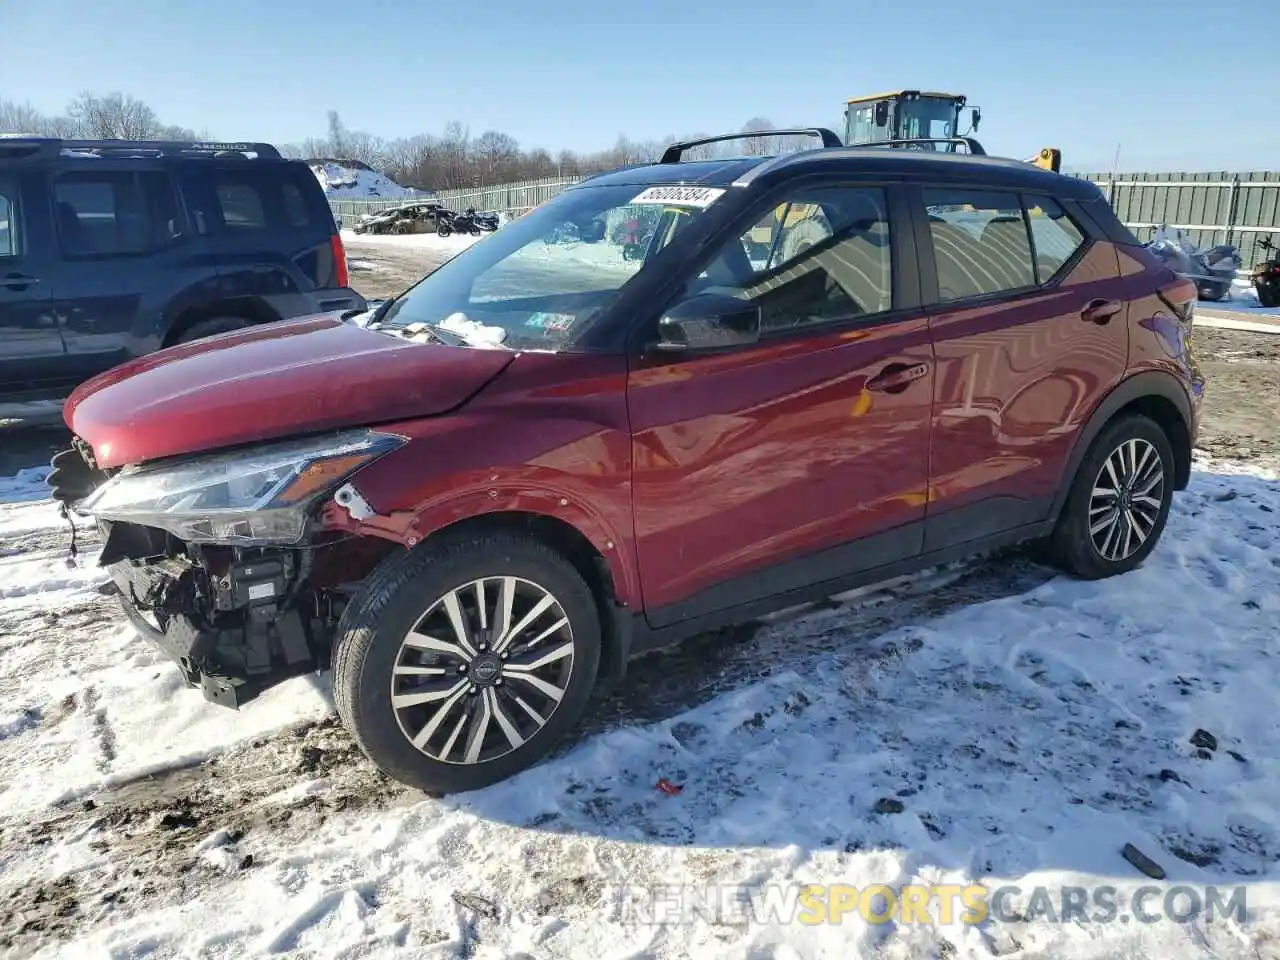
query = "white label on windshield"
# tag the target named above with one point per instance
(683, 196)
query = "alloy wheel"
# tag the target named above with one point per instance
(1127, 496)
(483, 670)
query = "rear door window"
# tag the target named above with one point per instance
(113, 213)
(980, 243)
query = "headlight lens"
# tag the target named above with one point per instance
(249, 496)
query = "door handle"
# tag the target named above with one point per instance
(896, 377)
(1100, 311)
(18, 281)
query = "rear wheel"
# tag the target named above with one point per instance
(464, 664)
(1119, 501)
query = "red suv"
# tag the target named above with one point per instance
(549, 455)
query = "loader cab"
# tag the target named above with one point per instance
(909, 115)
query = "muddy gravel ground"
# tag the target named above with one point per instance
(1242, 393)
(248, 797)
(380, 270)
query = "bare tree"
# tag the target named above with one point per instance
(337, 135)
(498, 157)
(762, 145)
(115, 116)
(22, 118)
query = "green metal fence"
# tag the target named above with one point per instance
(509, 198)
(1221, 207)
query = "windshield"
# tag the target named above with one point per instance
(929, 118)
(540, 280)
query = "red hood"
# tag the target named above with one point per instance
(270, 382)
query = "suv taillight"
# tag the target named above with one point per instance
(342, 275)
(1181, 297)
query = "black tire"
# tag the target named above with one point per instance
(1071, 546)
(443, 229)
(210, 328)
(397, 596)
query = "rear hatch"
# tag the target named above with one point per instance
(276, 233)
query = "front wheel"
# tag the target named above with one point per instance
(443, 229)
(463, 664)
(1119, 501)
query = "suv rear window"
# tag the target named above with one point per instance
(102, 213)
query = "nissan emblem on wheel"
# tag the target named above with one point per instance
(818, 371)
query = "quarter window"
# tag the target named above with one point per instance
(821, 257)
(1056, 236)
(108, 214)
(980, 243)
(9, 245)
(295, 205)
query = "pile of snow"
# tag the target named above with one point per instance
(341, 182)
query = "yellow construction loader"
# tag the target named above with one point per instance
(924, 120)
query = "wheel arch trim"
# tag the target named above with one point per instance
(1132, 390)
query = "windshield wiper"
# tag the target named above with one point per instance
(412, 331)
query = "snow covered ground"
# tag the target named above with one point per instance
(413, 241)
(1244, 297)
(992, 724)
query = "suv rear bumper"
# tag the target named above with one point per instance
(336, 300)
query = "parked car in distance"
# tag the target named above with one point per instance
(420, 216)
(112, 249)
(533, 465)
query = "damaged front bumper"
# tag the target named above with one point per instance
(233, 632)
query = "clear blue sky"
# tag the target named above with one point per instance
(1170, 81)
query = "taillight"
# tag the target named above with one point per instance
(1181, 299)
(342, 275)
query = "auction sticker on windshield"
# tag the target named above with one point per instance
(684, 196)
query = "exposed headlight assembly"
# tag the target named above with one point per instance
(257, 495)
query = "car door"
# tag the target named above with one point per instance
(31, 348)
(1029, 333)
(124, 252)
(768, 468)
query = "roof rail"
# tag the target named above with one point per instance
(674, 152)
(52, 146)
(975, 148)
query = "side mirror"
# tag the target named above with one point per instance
(977, 118)
(708, 322)
(882, 113)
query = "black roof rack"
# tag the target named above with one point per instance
(52, 146)
(829, 138)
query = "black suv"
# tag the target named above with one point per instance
(110, 249)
